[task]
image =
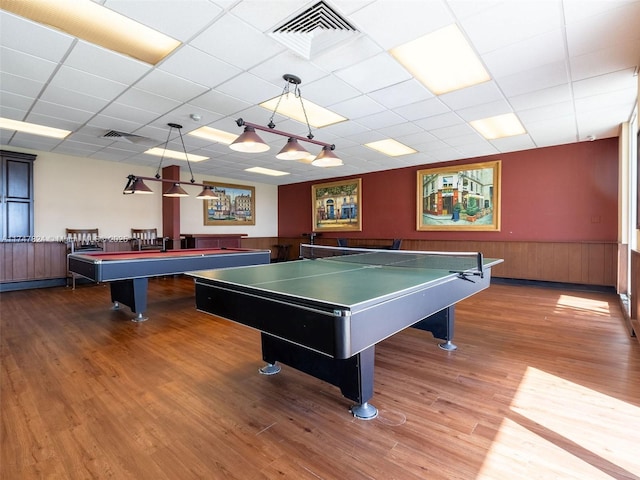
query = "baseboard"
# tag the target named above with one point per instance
(29, 284)
(558, 285)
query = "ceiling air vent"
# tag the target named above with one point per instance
(124, 137)
(314, 31)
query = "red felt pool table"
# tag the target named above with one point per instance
(128, 272)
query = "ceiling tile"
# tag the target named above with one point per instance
(199, 67)
(414, 18)
(400, 94)
(564, 67)
(32, 38)
(175, 18)
(170, 86)
(26, 66)
(244, 53)
(388, 72)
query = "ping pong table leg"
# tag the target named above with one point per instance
(353, 375)
(441, 325)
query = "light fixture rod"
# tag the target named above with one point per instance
(240, 122)
(178, 127)
(167, 180)
(184, 149)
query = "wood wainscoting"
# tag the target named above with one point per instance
(635, 292)
(263, 243)
(26, 265)
(586, 263)
(29, 261)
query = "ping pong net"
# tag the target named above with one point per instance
(463, 263)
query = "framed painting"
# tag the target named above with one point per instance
(460, 197)
(233, 205)
(337, 206)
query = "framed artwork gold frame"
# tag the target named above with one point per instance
(337, 206)
(460, 197)
(235, 205)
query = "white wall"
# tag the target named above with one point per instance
(76, 192)
(266, 214)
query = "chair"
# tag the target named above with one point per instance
(147, 239)
(282, 254)
(81, 240)
(396, 244)
(343, 242)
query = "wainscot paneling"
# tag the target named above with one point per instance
(587, 263)
(27, 261)
(261, 243)
(635, 292)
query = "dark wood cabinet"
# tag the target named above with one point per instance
(16, 195)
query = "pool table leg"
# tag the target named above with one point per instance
(132, 293)
(353, 375)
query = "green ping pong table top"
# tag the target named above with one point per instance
(352, 279)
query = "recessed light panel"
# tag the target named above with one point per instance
(266, 171)
(99, 25)
(390, 147)
(442, 60)
(291, 106)
(213, 134)
(500, 126)
(159, 152)
(25, 127)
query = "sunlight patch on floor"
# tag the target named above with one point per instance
(598, 307)
(517, 452)
(559, 429)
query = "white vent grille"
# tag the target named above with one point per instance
(314, 31)
(124, 137)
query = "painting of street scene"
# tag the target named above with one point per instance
(462, 197)
(337, 206)
(232, 205)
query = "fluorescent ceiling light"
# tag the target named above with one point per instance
(266, 171)
(8, 124)
(97, 24)
(442, 60)
(291, 106)
(500, 126)
(390, 147)
(159, 152)
(214, 135)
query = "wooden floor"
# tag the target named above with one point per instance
(545, 384)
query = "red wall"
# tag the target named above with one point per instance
(564, 193)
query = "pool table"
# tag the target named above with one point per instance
(128, 272)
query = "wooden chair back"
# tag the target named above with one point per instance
(83, 239)
(146, 238)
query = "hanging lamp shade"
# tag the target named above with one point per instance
(326, 158)
(175, 191)
(137, 186)
(207, 194)
(249, 142)
(292, 151)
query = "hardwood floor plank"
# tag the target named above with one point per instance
(545, 384)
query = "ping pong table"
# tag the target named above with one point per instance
(324, 314)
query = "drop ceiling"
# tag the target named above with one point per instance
(566, 68)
